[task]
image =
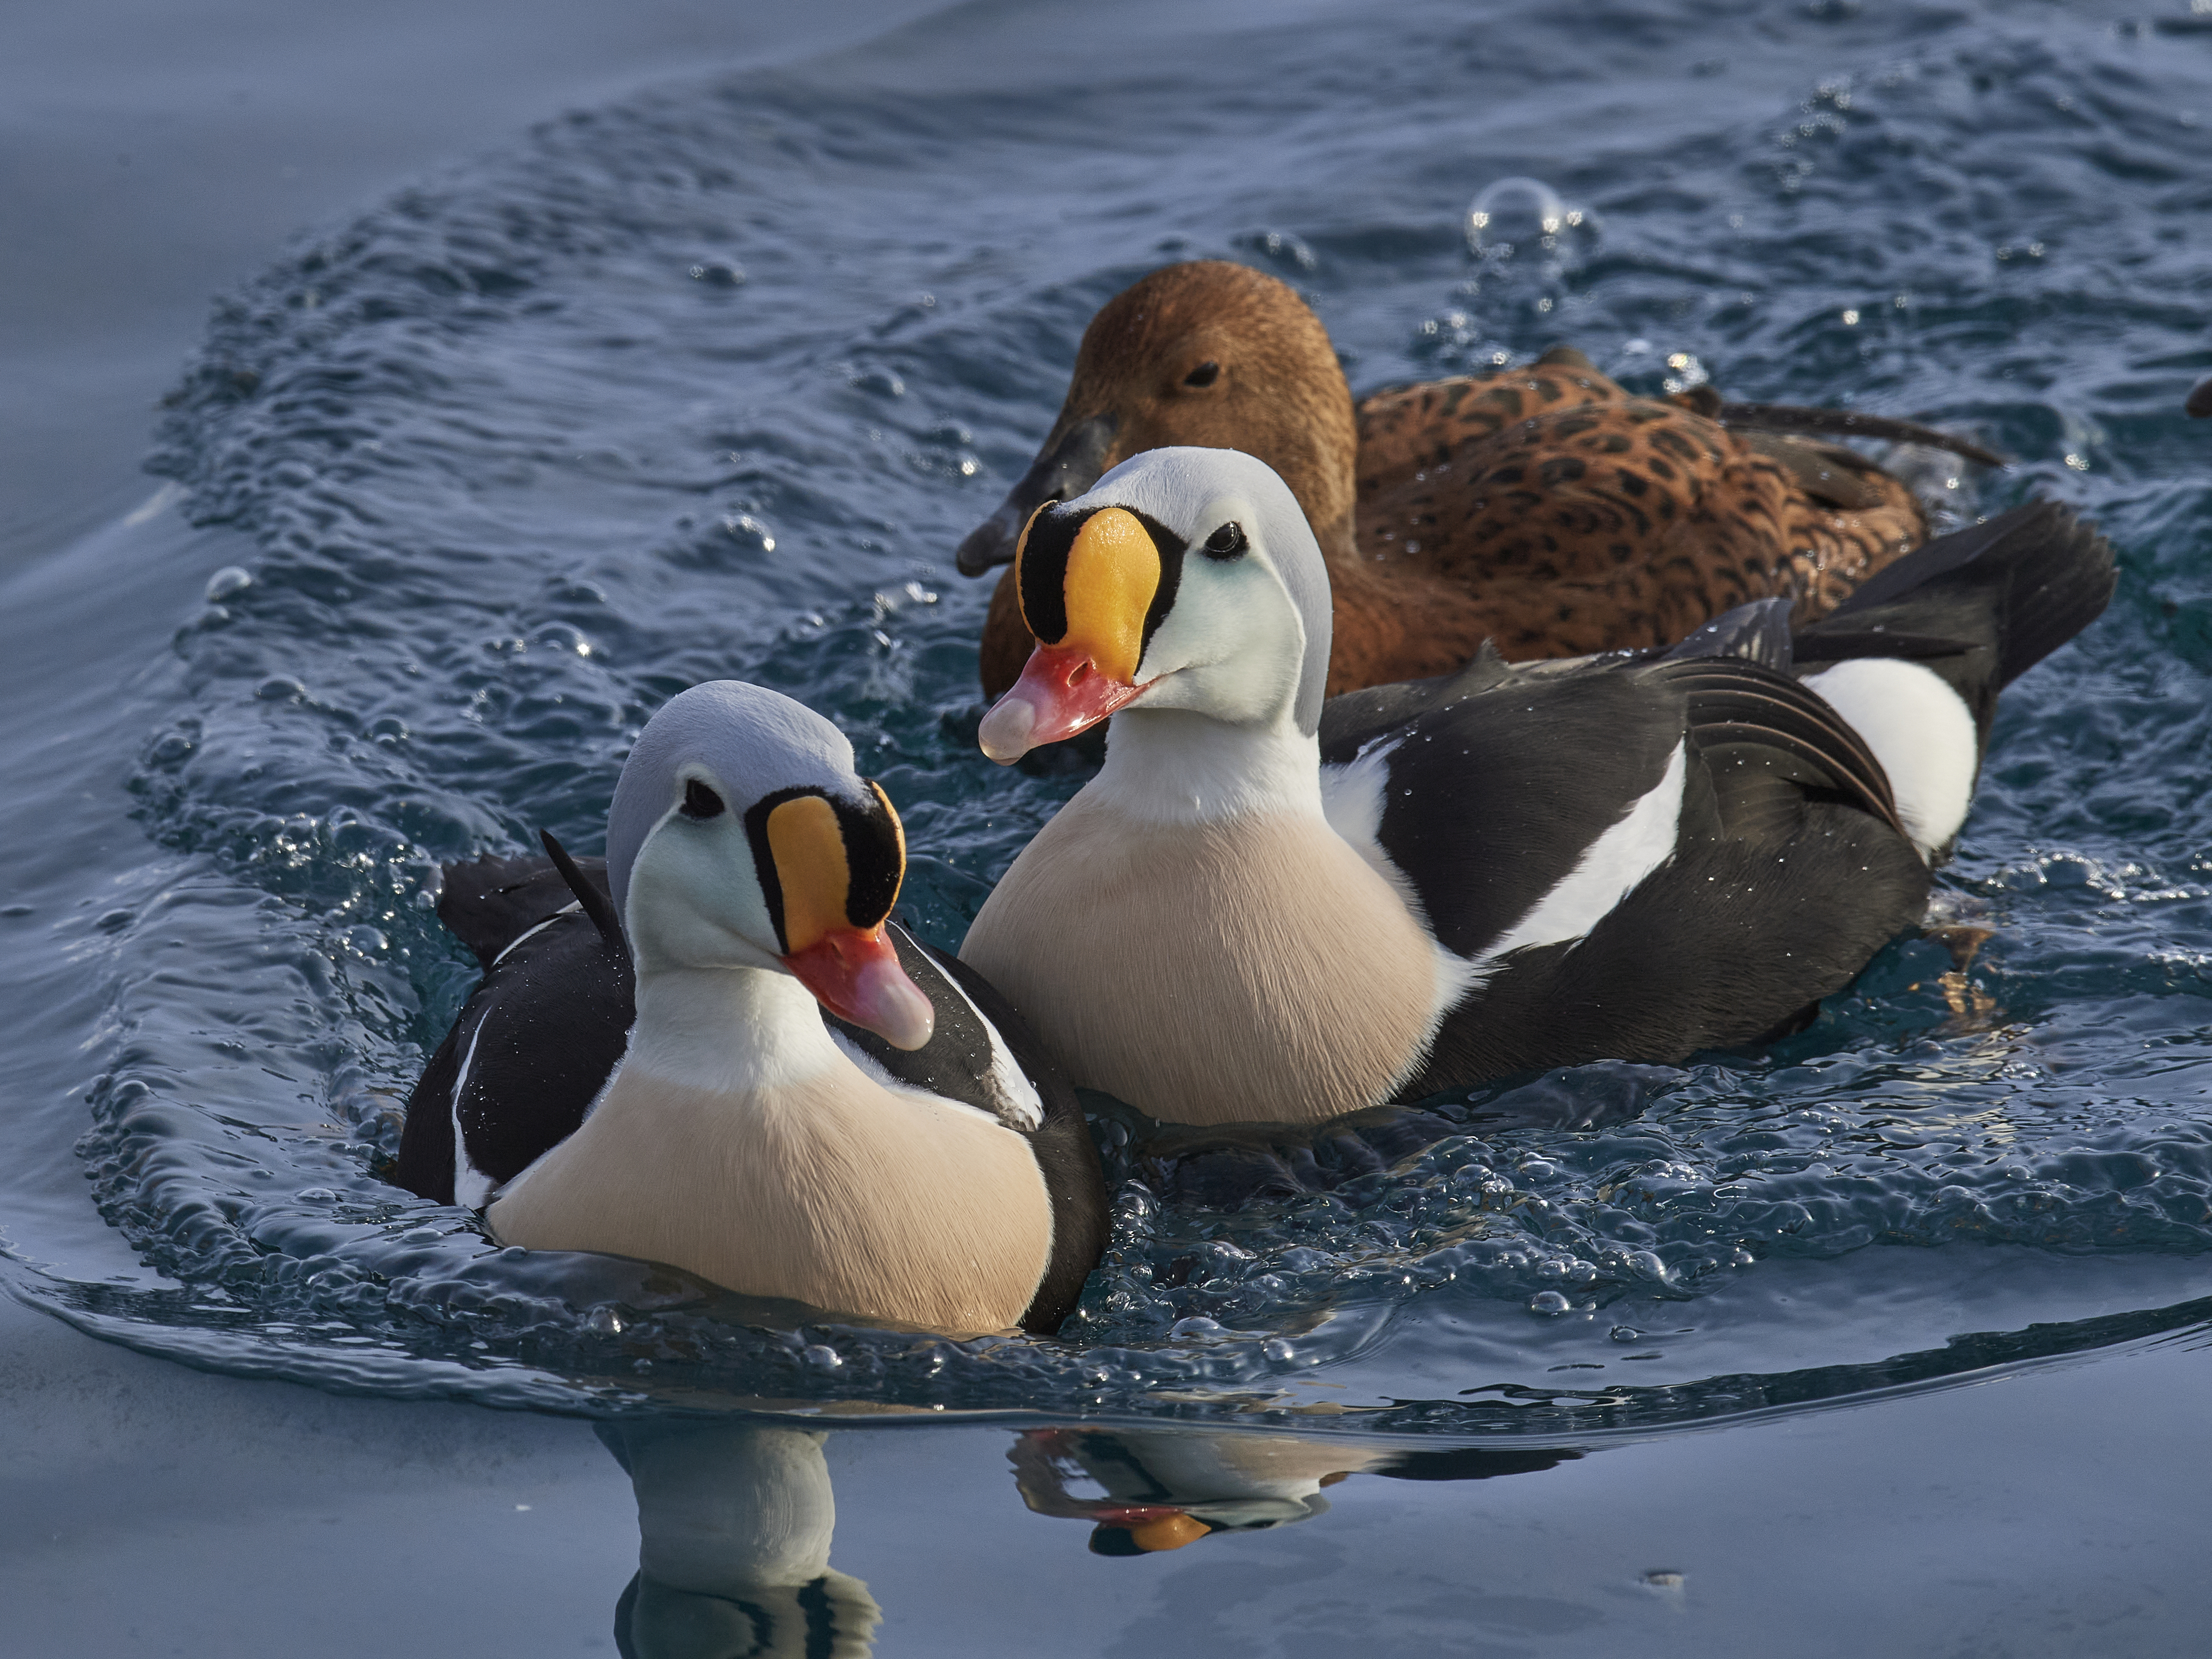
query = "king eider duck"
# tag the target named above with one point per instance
(1544, 508)
(808, 1104)
(1268, 907)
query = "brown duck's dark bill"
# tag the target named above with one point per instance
(1060, 474)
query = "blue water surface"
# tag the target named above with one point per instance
(709, 383)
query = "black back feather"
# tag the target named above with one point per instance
(595, 899)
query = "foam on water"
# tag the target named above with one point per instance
(711, 384)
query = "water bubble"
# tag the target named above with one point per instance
(822, 1356)
(227, 581)
(1280, 1349)
(1550, 1303)
(1283, 247)
(1512, 212)
(1688, 373)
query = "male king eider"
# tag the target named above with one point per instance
(1544, 507)
(908, 1157)
(1266, 909)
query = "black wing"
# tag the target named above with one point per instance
(1789, 871)
(1490, 796)
(534, 1044)
(1769, 745)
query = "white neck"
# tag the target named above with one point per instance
(728, 1031)
(1177, 766)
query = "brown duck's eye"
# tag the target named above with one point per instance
(1204, 376)
(1226, 543)
(700, 801)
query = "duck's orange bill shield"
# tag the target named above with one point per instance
(854, 972)
(1061, 691)
(1086, 599)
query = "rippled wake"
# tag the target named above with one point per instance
(712, 383)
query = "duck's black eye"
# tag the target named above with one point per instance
(1204, 376)
(700, 801)
(1226, 543)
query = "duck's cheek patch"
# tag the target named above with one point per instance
(1113, 574)
(809, 849)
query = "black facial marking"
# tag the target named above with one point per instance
(875, 858)
(1226, 543)
(1171, 547)
(1204, 376)
(700, 801)
(1045, 547)
(1040, 562)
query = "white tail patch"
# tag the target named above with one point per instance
(1920, 731)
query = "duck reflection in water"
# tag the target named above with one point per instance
(735, 1519)
(1162, 1489)
(734, 1522)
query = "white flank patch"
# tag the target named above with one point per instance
(1610, 868)
(1352, 800)
(473, 1187)
(1920, 731)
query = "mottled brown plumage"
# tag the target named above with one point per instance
(1545, 507)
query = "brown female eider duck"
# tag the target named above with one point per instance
(1546, 509)
(1269, 908)
(906, 1155)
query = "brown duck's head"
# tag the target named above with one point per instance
(1208, 355)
